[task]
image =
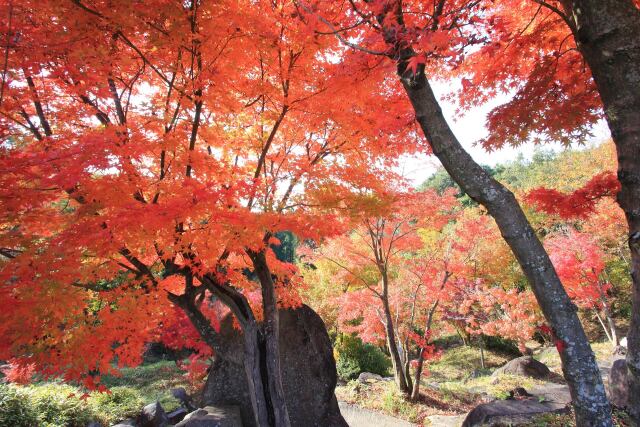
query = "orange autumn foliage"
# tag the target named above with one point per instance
(148, 143)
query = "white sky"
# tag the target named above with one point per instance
(471, 128)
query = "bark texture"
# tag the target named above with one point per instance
(607, 33)
(403, 381)
(270, 332)
(260, 379)
(578, 361)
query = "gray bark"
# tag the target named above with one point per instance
(398, 369)
(271, 330)
(607, 33)
(578, 361)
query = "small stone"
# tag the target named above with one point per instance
(519, 393)
(366, 377)
(213, 416)
(153, 415)
(620, 350)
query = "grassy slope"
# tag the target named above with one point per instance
(456, 384)
(61, 405)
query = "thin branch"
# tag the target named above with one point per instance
(336, 32)
(6, 52)
(116, 100)
(565, 18)
(194, 131)
(10, 252)
(38, 105)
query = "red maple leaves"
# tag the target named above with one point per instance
(578, 204)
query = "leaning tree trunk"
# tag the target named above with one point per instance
(607, 33)
(271, 331)
(402, 381)
(578, 361)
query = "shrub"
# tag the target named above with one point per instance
(120, 403)
(15, 408)
(59, 405)
(348, 369)
(355, 357)
(501, 345)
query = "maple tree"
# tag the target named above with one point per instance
(579, 203)
(152, 152)
(580, 264)
(370, 258)
(545, 46)
(479, 308)
(432, 39)
(580, 257)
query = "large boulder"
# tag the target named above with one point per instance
(213, 416)
(525, 366)
(618, 389)
(308, 372)
(510, 412)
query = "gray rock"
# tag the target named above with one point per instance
(476, 373)
(126, 423)
(510, 412)
(213, 416)
(177, 415)
(551, 392)
(309, 372)
(153, 415)
(618, 389)
(181, 394)
(446, 420)
(525, 366)
(366, 377)
(434, 385)
(619, 350)
(362, 417)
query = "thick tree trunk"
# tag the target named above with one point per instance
(255, 374)
(578, 361)
(271, 330)
(607, 33)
